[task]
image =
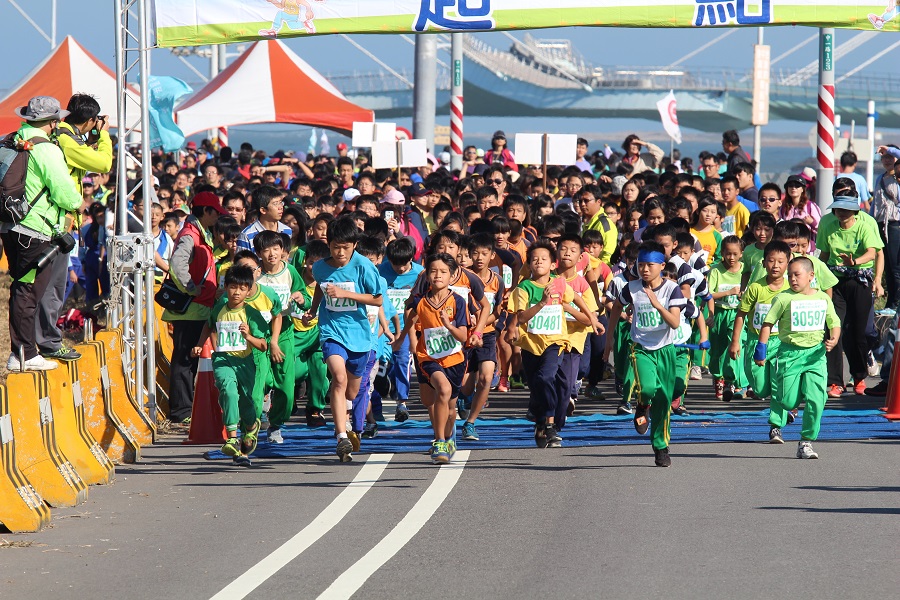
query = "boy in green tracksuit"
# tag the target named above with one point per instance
(239, 336)
(657, 304)
(310, 364)
(621, 334)
(725, 286)
(285, 281)
(802, 313)
(755, 304)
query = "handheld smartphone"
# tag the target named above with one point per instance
(388, 215)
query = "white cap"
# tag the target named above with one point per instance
(350, 194)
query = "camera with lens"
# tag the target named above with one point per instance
(59, 243)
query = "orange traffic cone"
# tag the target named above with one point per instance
(892, 407)
(206, 415)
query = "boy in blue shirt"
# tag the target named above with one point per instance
(347, 284)
(400, 273)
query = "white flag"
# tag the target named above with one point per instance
(324, 147)
(669, 116)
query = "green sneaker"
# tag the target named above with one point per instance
(232, 447)
(451, 447)
(250, 439)
(440, 453)
(516, 383)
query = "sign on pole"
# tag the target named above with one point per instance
(761, 79)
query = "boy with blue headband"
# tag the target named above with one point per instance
(657, 304)
(802, 313)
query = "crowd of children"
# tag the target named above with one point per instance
(498, 280)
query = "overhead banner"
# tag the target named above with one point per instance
(200, 22)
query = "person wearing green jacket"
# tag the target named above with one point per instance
(84, 139)
(53, 195)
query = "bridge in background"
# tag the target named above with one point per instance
(541, 78)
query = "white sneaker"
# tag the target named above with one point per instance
(275, 436)
(696, 373)
(873, 368)
(38, 363)
(805, 450)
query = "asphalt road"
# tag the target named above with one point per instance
(726, 521)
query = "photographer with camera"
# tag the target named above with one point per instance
(84, 139)
(51, 195)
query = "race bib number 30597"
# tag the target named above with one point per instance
(808, 315)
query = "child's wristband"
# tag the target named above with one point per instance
(760, 352)
(477, 334)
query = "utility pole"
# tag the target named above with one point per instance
(425, 93)
(870, 141)
(825, 127)
(761, 68)
(53, 24)
(456, 102)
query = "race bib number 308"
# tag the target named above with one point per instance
(759, 317)
(808, 315)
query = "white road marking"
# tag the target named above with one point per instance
(322, 524)
(349, 582)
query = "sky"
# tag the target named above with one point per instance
(91, 22)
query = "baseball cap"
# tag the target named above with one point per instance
(808, 173)
(191, 146)
(350, 194)
(209, 199)
(499, 135)
(342, 146)
(394, 197)
(444, 158)
(418, 189)
(796, 180)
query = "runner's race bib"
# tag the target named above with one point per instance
(461, 291)
(569, 316)
(808, 315)
(728, 224)
(491, 296)
(648, 318)
(507, 276)
(729, 301)
(683, 333)
(341, 304)
(267, 315)
(372, 315)
(230, 338)
(398, 298)
(439, 342)
(759, 317)
(548, 321)
(283, 291)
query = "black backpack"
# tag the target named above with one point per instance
(14, 155)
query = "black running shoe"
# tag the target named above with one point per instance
(662, 457)
(540, 436)
(552, 436)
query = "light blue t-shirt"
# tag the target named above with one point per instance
(383, 350)
(862, 186)
(399, 286)
(342, 320)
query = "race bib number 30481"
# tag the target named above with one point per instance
(548, 321)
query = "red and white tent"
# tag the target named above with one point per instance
(69, 69)
(269, 84)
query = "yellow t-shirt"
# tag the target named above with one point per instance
(546, 328)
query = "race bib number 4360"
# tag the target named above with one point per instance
(808, 315)
(341, 304)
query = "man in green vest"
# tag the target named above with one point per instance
(52, 194)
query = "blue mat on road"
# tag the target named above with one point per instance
(588, 430)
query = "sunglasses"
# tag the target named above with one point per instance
(496, 181)
(768, 199)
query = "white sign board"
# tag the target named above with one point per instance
(366, 133)
(403, 153)
(561, 147)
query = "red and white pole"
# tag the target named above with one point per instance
(223, 137)
(456, 102)
(825, 127)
